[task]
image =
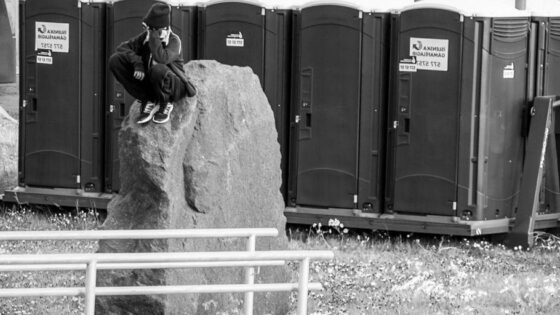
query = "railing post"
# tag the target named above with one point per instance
(91, 277)
(249, 278)
(303, 286)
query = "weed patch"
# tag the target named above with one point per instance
(27, 219)
(373, 272)
(403, 273)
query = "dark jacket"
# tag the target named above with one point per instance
(138, 53)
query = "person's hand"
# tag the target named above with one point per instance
(163, 34)
(147, 39)
(139, 75)
(147, 29)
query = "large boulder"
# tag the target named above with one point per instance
(215, 164)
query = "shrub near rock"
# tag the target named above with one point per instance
(216, 164)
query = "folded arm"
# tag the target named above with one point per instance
(167, 54)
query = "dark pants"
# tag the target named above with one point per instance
(160, 85)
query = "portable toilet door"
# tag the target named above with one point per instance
(551, 82)
(248, 34)
(374, 99)
(333, 57)
(125, 22)
(184, 15)
(62, 65)
(545, 29)
(457, 105)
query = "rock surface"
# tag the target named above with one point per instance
(215, 164)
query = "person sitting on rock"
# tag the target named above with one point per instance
(150, 67)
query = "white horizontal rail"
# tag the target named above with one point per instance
(162, 265)
(91, 262)
(208, 288)
(134, 234)
(70, 291)
(143, 290)
(154, 257)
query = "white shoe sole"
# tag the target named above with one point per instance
(149, 117)
(163, 121)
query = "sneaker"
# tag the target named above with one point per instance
(163, 114)
(147, 112)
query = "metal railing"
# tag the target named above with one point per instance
(92, 262)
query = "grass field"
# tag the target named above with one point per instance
(386, 273)
(372, 273)
(24, 219)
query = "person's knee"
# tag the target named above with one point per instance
(117, 61)
(158, 73)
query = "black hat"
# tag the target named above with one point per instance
(158, 16)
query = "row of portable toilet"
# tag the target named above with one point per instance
(421, 110)
(72, 108)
